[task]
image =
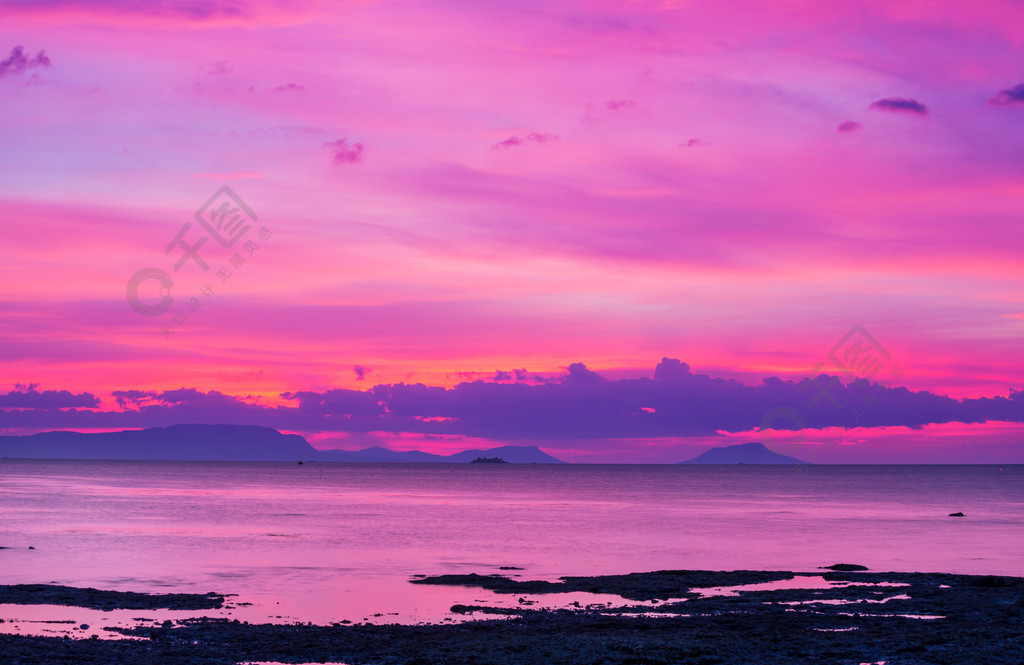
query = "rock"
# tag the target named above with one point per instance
(956, 514)
(992, 581)
(845, 567)
(84, 626)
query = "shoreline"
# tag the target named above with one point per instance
(664, 617)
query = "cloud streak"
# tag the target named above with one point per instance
(900, 105)
(532, 137)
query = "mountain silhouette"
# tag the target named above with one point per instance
(244, 443)
(743, 453)
(514, 454)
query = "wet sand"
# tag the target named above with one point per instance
(664, 617)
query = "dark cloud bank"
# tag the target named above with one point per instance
(581, 405)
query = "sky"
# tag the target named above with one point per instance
(443, 225)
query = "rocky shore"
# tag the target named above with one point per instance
(51, 594)
(861, 617)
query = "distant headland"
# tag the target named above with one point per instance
(230, 443)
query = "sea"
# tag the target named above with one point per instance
(335, 542)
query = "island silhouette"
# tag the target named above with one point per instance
(743, 453)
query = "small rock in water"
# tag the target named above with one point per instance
(845, 567)
(84, 626)
(956, 514)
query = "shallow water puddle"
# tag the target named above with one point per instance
(844, 601)
(84, 623)
(798, 582)
(432, 606)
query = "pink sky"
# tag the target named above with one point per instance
(465, 187)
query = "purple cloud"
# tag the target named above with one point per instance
(337, 402)
(17, 62)
(535, 137)
(193, 396)
(671, 369)
(218, 68)
(582, 405)
(291, 87)
(510, 142)
(361, 372)
(900, 105)
(579, 374)
(620, 104)
(47, 399)
(345, 153)
(134, 398)
(541, 137)
(848, 126)
(1014, 95)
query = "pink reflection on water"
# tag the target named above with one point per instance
(299, 547)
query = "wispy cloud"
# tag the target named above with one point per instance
(345, 153)
(620, 104)
(18, 62)
(193, 11)
(900, 105)
(231, 175)
(1014, 95)
(532, 137)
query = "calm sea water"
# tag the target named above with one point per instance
(326, 542)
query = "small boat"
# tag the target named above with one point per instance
(488, 460)
(300, 462)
